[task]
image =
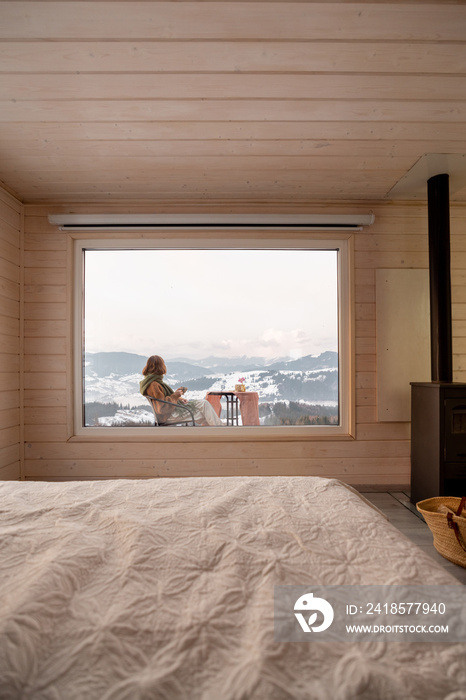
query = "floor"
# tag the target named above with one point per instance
(404, 516)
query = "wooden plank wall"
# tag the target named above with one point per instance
(226, 100)
(380, 454)
(10, 336)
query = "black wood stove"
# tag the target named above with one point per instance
(438, 408)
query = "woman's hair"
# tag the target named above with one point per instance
(154, 365)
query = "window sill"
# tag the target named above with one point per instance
(204, 434)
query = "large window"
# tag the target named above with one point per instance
(273, 317)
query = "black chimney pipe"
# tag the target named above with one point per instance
(440, 278)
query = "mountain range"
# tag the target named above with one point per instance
(112, 381)
(105, 364)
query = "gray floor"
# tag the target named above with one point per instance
(404, 516)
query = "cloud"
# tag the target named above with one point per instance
(274, 337)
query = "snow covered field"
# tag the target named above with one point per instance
(283, 382)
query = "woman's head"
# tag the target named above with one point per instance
(154, 365)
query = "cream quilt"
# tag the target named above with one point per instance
(162, 589)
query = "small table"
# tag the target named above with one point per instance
(232, 405)
(248, 406)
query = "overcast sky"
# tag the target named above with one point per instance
(196, 303)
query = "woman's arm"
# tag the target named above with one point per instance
(155, 390)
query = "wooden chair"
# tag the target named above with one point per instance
(184, 416)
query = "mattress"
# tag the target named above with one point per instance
(163, 589)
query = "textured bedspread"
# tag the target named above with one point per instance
(163, 589)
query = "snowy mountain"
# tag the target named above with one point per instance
(112, 379)
(106, 364)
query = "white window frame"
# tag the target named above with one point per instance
(339, 241)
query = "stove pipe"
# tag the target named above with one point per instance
(439, 278)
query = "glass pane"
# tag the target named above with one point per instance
(262, 320)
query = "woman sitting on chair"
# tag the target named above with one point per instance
(153, 385)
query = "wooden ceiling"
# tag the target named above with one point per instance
(237, 102)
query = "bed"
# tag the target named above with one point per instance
(162, 589)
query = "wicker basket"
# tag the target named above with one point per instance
(446, 518)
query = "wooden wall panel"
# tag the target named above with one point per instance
(225, 20)
(380, 452)
(403, 322)
(227, 100)
(458, 297)
(10, 336)
(229, 56)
